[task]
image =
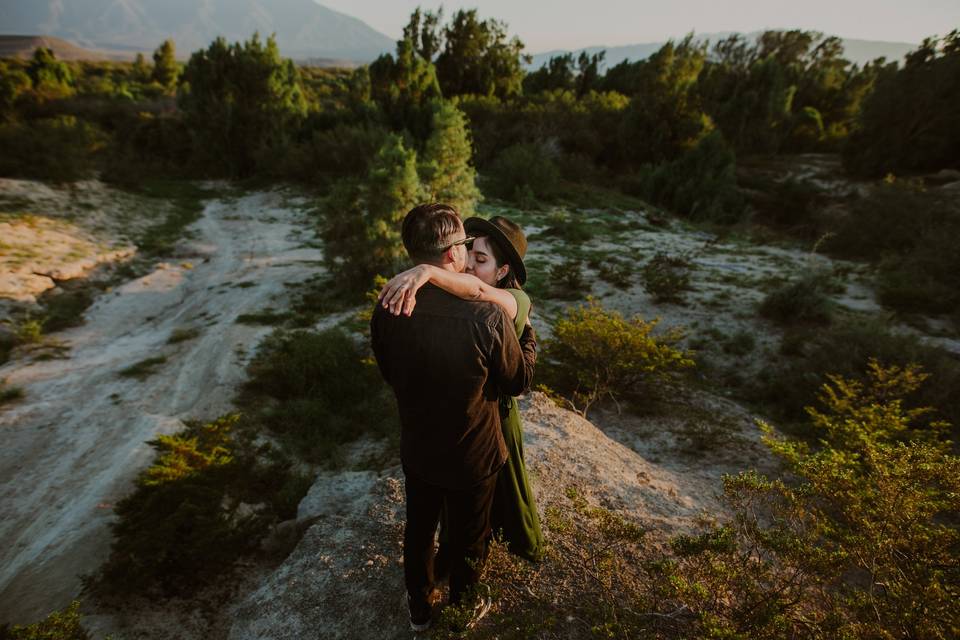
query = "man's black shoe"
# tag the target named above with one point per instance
(419, 615)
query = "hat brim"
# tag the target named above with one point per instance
(482, 227)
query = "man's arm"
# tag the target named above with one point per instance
(513, 359)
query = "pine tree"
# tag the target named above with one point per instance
(165, 67)
(446, 170)
(140, 70)
(363, 219)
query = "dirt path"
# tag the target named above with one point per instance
(75, 442)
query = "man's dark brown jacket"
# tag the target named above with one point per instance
(449, 363)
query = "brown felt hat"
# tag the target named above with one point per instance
(508, 237)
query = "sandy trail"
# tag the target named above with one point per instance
(73, 445)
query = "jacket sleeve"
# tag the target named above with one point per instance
(513, 363)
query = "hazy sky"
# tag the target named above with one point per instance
(571, 24)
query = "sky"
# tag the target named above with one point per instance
(544, 25)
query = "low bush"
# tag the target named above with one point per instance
(206, 500)
(59, 625)
(597, 354)
(859, 542)
(317, 391)
(667, 277)
(809, 353)
(65, 309)
(802, 301)
(567, 280)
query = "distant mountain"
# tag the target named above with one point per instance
(24, 46)
(304, 29)
(858, 51)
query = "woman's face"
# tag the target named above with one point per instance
(482, 264)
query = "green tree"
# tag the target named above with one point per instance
(48, 73)
(405, 85)
(557, 73)
(664, 118)
(479, 58)
(910, 121)
(141, 72)
(445, 168)
(13, 84)
(166, 70)
(243, 104)
(362, 232)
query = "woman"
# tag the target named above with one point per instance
(494, 273)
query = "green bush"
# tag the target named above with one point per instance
(809, 354)
(523, 172)
(59, 625)
(206, 500)
(667, 277)
(317, 391)
(567, 280)
(859, 542)
(597, 354)
(699, 184)
(61, 149)
(802, 301)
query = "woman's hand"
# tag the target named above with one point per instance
(399, 295)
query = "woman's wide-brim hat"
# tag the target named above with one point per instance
(507, 235)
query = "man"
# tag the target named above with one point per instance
(448, 364)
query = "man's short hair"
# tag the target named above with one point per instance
(428, 229)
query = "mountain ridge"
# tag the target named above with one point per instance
(304, 29)
(855, 50)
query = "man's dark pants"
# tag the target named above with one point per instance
(468, 513)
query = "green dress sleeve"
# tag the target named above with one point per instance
(523, 308)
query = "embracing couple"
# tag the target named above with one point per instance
(453, 339)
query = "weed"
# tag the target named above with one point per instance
(182, 335)
(9, 394)
(143, 369)
(269, 318)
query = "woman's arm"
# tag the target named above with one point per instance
(400, 294)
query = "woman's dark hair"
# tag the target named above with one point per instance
(510, 280)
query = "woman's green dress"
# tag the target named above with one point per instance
(514, 515)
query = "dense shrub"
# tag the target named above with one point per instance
(700, 184)
(913, 233)
(446, 168)
(523, 172)
(803, 300)
(667, 277)
(206, 500)
(61, 149)
(809, 354)
(59, 625)
(597, 354)
(317, 391)
(860, 542)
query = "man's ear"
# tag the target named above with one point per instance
(448, 257)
